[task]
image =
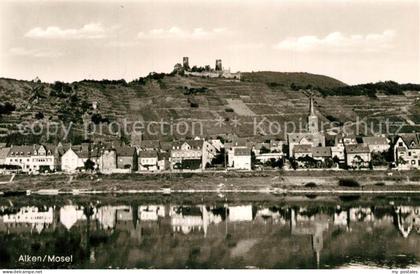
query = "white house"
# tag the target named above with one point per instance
(266, 157)
(357, 156)
(70, 161)
(43, 157)
(321, 153)
(337, 151)
(148, 160)
(302, 151)
(20, 156)
(31, 158)
(407, 151)
(240, 158)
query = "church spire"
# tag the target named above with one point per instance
(311, 107)
(312, 118)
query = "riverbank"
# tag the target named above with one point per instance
(256, 181)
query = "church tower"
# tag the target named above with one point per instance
(312, 118)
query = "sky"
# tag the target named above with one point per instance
(355, 41)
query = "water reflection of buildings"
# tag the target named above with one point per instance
(186, 219)
(304, 223)
(246, 222)
(407, 219)
(28, 219)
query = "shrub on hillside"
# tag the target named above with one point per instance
(39, 115)
(6, 108)
(97, 118)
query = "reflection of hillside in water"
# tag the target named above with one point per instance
(226, 235)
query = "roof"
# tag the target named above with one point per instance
(50, 147)
(148, 154)
(155, 144)
(22, 151)
(125, 151)
(81, 153)
(4, 152)
(242, 151)
(297, 137)
(375, 140)
(166, 146)
(355, 149)
(164, 155)
(302, 149)
(260, 145)
(321, 151)
(194, 144)
(411, 140)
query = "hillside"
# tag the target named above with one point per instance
(301, 79)
(174, 99)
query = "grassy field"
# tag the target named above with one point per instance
(377, 180)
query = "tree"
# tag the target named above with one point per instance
(293, 163)
(402, 161)
(264, 149)
(379, 159)
(357, 161)
(7, 108)
(89, 165)
(39, 115)
(329, 162)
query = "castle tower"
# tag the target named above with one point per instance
(218, 65)
(312, 118)
(185, 63)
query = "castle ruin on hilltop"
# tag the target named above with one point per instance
(206, 71)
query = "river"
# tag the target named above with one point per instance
(209, 231)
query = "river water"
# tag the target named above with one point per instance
(210, 231)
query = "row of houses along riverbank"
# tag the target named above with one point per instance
(306, 149)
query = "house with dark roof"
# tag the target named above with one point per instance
(150, 145)
(187, 154)
(300, 151)
(407, 151)
(32, 158)
(127, 158)
(321, 153)
(377, 143)
(357, 156)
